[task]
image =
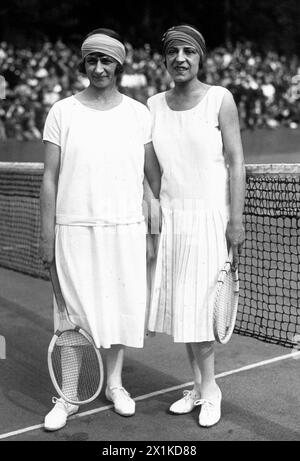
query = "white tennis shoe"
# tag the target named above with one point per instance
(124, 405)
(57, 417)
(210, 412)
(186, 404)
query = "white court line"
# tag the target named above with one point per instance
(294, 355)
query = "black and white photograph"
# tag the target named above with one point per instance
(149, 224)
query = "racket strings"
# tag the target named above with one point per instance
(225, 302)
(75, 366)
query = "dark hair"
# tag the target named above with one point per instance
(195, 33)
(111, 33)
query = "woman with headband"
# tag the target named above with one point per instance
(97, 149)
(197, 141)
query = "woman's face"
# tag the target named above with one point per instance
(182, 61)
(100, 70)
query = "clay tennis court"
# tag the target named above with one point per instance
(259, 381)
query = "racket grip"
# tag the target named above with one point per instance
(56, 288)
(230, 258)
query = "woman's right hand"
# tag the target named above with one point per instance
(46, 251)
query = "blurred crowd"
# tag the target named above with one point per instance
(266, 86)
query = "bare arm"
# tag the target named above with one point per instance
(229, 125)
(151, 198)
(152, 187)
(152, 169)
(48, 202)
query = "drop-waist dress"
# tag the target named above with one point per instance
(195, 203)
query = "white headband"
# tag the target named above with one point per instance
(101, 43)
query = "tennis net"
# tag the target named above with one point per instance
(20, 217)
(269, 267)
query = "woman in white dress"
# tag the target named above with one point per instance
(197, 141)
(97, 148)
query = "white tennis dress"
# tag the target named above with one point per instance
(100, 228)
(195, 205)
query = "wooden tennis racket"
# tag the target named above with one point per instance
(226, 302)
(74, 362)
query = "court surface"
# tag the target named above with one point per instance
(259, 381)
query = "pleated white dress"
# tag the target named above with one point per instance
(100, 230)
(195, 204)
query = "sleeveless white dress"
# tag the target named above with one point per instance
(195, 205)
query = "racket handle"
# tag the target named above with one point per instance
(56, 288)
(230, 258)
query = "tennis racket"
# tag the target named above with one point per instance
(226, 302)
(74, 362)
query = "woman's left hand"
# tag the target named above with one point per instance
(235, 235)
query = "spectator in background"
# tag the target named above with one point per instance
(265, 85)
(2, 128)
